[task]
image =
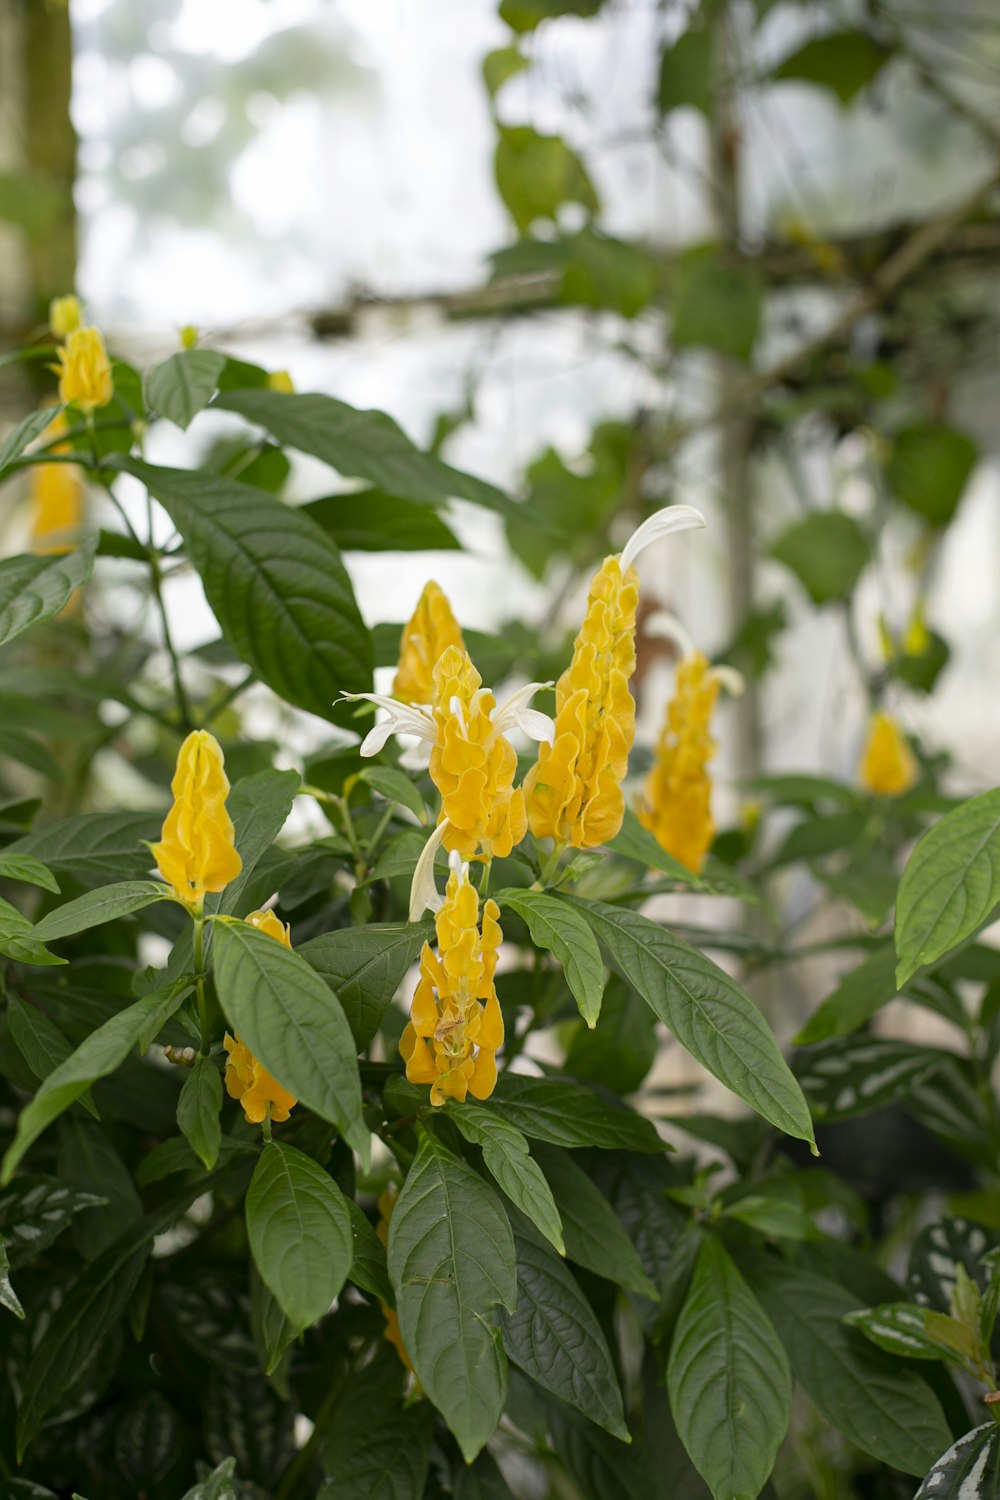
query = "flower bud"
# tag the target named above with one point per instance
(888, 766)
(84, 370)
(197, 850)
(65, 315)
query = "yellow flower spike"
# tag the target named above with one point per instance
(189, 336)
(431, 629)
(247, 1080)
(455, 1026)
(473, 764)
(280, 380)
(573, 793)
(65, 315)
(888, 766)
(197, 850)
(56, 498)
(84, 370)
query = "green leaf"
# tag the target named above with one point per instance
(17, 938)
(34, 1211)
(827, 552)
(536, 174)
(525, 15)
(451, 1261)
(28, 869)
(368, 1269)
(33, 589)
(39, 1041)
(259, 806)
(93, 846)
(715, 304)
(24, 434)
(395, 786)
(198, 1111)
(98, 907)
(555, 1338)
(929, 468)
(843, 61)
(970, 1470)
(216, 1486)
(950, 885)
(375, 1445)
(728, 1378)
(274, 581)
(508, 1160)
(777, 1218)
(564, 931)
(686, 72)
(299, 1229)
(619, 1052)
(885, 1409)
(147, 1440)
(365, 966)
(706, 1011)
(899, 1328)
(860, 994)
(566, 1114)
(500, 65)
(289, 1019)
(372, 521)
(103, 1051)
(183, 384)
(854, 1075)
(8, 1297)
(937, 1252)
(360, 444)
(637, 843)
(595, 1237)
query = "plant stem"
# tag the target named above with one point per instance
(180, 692)
(199, 982)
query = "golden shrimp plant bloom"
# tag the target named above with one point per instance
(431, 629)
(65, 315)
(677, 805)
(455, 1025)
(247, 1080)
(197, 849)
(56, 498)
(888, 766)
(84, 370)
(573, 793)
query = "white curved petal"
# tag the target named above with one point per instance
(402, 718)
(662, 523)
(423, 892)
(515, 714)
(730, 680)
(666, 627)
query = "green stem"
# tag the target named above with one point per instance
(180, 692)
(552, 863)
(227, 698)
(199, 982)
(484, 884)
(265, 1124)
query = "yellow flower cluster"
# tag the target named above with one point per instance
(888, 765)
(573, 793)
(473, 764)
(197, 849)
(677, 804)
(65, 315)
(455, 1025)
(426, 636)
(56, 497)
(84, 370)
(247, 1080)
(386, 1204)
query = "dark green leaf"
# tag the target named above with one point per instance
(594, 1235)
(272, 1332)
(8, 1297)
(87, 1160)
(34, 1211)
(147, 1439)
(827, 552)
(39, 1041)
(843, 61)
(365, 966)
(377, 1446)
(899, 1328)
(26, 868)
(24, 434)
(372, 521)
(274, 581)
(563, 930)
(970, 1470)
(300, 1232)
(103, 1051)
(94, 846)
(259, 806)
(508, 1160)
(950, 885)
(288, 1018)
(728, 1377)
(715, 304)
(929, 469)
(98, 907)
(183, 384)
(536, 174)
(937, 1252)
(637, 843)
(859, 995)
(686, 72)
(368, 1270)
(707, 1012)
(620, 1051)
(216, 1486)
(555, 1338)
(17, 938)
(33, 589)
(395, 786)
(198, 1111)
(565, 1114)
(451, 1261)
(853, 1075)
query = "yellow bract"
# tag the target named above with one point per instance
(888, 765)
(455, 1025)
(472, 764)
(65, 315)
(197, 852)
(676, 807)
(246, 1079)
(431, 629)
(280, 380)
(56, 498)
(573, 793)
(85, 370)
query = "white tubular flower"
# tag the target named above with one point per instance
(661, 523)
(515, 714)
(424, 894)
(402, 718)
